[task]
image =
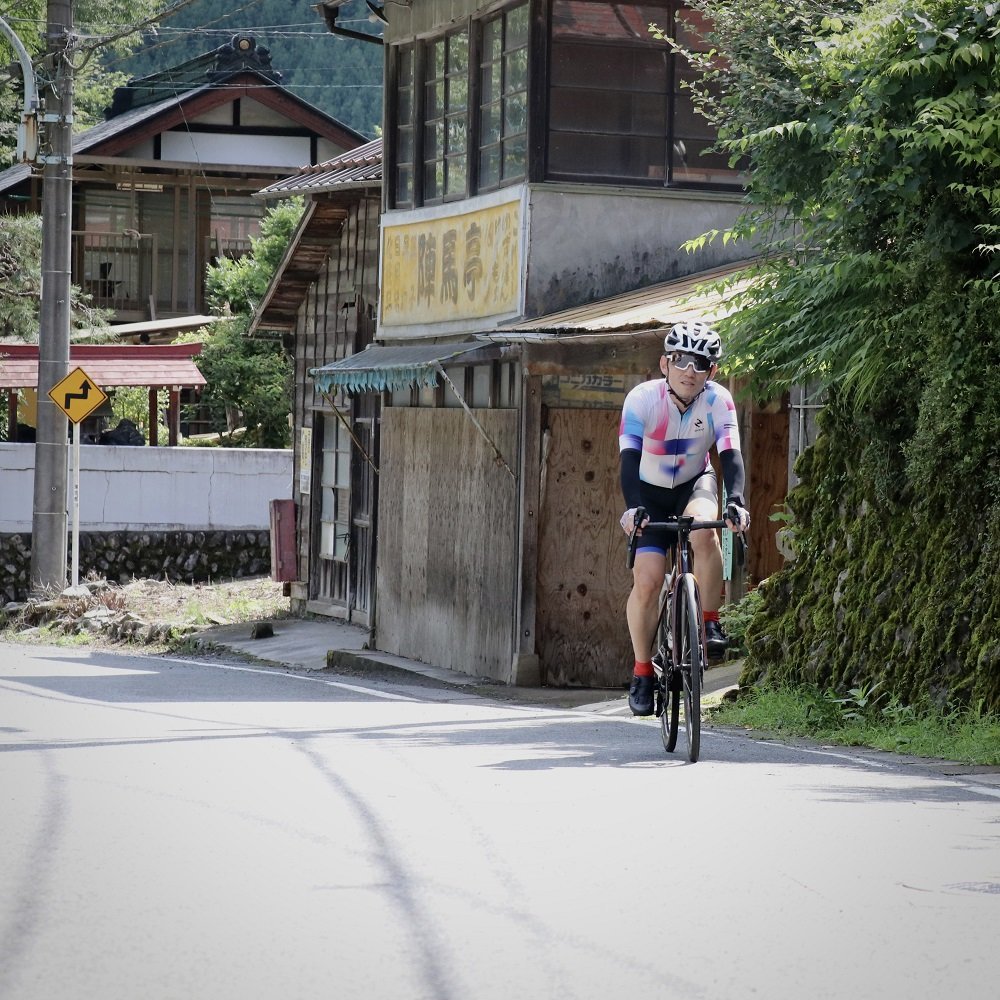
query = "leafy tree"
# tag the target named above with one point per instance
(873, 131)
(104, 36)
(21, 285)
(249, 379)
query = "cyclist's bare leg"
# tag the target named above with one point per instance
(642, 609)
(707, 552)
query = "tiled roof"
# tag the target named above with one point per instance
(109, 365)
(361, 166)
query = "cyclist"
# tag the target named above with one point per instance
(668, 427)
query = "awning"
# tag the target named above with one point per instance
(154, 366)
(693, 297)
(380, 368)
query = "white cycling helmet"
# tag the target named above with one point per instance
(694, 337)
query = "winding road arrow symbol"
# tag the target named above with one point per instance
(82, 394)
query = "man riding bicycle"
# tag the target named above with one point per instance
(667, 429)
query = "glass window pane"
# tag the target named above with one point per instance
(515, 114)
(458, 53)
(435, 58)
(517, 26)
(456, 175)
(434, 179)
(489, 167)
(515, 157)
(491, 39)
(433, 140)
(489, 84)
(516, 71)
(456, 135)
(489, 127)
(458, 93)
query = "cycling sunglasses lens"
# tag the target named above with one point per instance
(682, 361)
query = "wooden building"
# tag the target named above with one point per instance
(542, 173)
(323, 299)
(164, 185)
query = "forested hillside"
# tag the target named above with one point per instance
(341, 76)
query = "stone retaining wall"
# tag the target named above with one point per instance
(120, 556)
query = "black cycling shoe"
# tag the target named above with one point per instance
(715, 640)
(640, 695)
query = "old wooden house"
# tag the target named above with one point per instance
(323, 300)
(164, 185)
(543, 168)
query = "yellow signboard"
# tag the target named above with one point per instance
(77, 395)
(459, 267)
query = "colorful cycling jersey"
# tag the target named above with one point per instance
(674, 445)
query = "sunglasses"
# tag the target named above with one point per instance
(680, 361)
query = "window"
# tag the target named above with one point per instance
(335, 484)
(618, 107)
(446, 118)
(503, 99)
(404, 128)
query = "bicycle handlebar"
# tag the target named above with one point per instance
(682, 525)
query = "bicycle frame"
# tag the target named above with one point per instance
(681, 645)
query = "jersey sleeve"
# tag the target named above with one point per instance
(727, 428)
(631, 429)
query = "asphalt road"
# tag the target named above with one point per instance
(175, 829)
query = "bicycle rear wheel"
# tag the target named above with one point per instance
(691, 660)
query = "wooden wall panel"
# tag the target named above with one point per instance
(447, 540)
(583, 581)
(769, 484)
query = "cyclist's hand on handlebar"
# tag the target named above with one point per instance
(738, 517)
(629, 520)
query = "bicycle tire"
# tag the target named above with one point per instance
(670, 718)
(692, 661)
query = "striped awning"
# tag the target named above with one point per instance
(380, 368)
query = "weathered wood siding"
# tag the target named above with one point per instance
(583, 581)
(447, 540)
(336, 319)
(768, 467)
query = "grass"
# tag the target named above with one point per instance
(863, 718)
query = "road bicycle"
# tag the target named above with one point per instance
(679, 660)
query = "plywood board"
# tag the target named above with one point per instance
(447, 539)
(583, 581)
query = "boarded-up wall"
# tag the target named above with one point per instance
(583, 581)
(447, 539)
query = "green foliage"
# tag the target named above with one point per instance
(132, 403)
(873, 131)
(21, 286)
(968, 735)
(239, 285)
(249, 384)
(103, 36)
(249, 379)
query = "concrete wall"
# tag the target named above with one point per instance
(587, 242)
(155, 489)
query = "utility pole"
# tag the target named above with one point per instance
(48, 524)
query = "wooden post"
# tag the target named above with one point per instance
(12, 414)
(525, 668)
(173, 418)
(153, 432)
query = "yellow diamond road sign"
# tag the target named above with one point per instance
(77, 395)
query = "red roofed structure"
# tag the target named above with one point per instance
(154, 366)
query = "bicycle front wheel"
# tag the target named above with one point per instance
(691, 660)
